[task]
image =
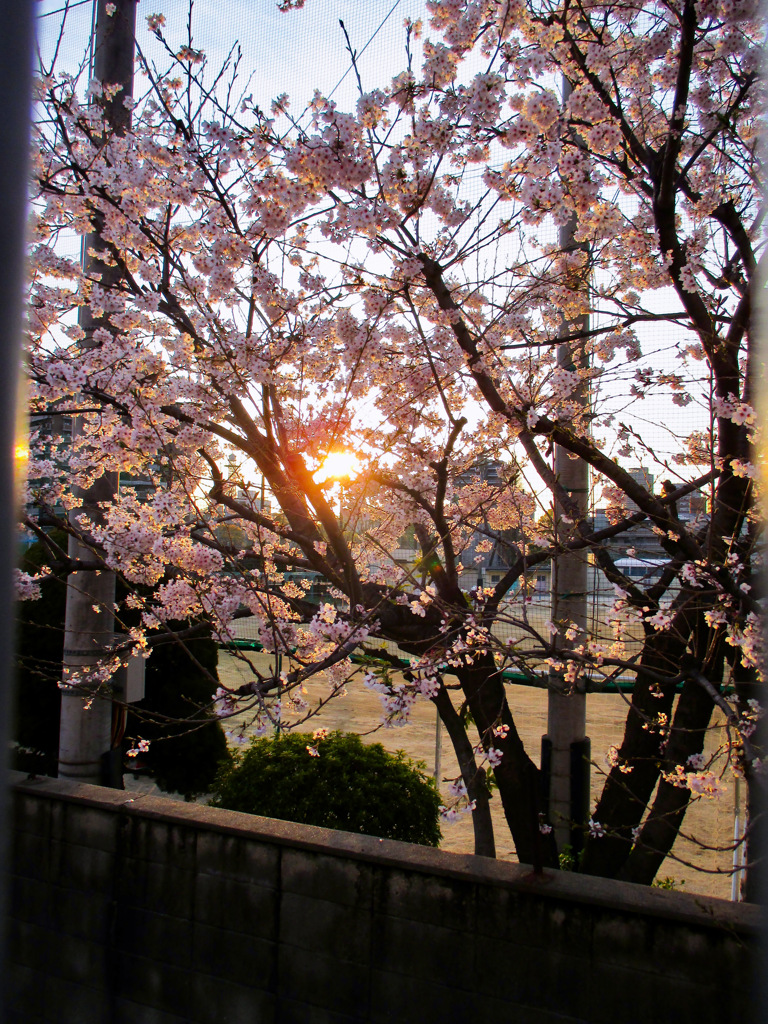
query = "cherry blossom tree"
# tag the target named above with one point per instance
(390, 281)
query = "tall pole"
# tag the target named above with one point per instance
(565, 748)
(85, 736)
(16, 49)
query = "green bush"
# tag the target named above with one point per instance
(350, 786)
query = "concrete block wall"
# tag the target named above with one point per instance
(154, 912)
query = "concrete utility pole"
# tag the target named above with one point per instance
(565, 748)
(85, 737)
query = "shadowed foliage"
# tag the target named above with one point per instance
(346, 784)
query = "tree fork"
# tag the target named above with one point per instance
(694, 713)
(626, 794)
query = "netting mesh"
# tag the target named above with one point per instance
(293, 52)
(304, 50)
(300, 51)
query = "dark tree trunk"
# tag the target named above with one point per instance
(626, 794)
(692, 718)
(474, 777)
(518, 778)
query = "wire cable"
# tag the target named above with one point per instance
(360, 54)
(63, 10)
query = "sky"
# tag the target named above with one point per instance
(294, 52)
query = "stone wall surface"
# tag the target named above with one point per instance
(152, 912)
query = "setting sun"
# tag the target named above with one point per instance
(338, 466)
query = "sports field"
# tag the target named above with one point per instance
(359, 710)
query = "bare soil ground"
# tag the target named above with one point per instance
(693, 868)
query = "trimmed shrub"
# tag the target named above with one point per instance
(349, 785)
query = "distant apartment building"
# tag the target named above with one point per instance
(638, 551)
(642, 541)
(54, 431)
(488, 555)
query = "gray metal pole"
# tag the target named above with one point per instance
(85, 737)
(565, 748)
(15, 104)
(438, 746)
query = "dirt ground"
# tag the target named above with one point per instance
(695, 870)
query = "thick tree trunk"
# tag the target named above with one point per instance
(518, 778)
(623, 852)
(474, 777)
(626, 793)
(661, 828)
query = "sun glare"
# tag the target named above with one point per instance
(338, 466)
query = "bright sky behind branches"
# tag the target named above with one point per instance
(294, 52)
(303, 50)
